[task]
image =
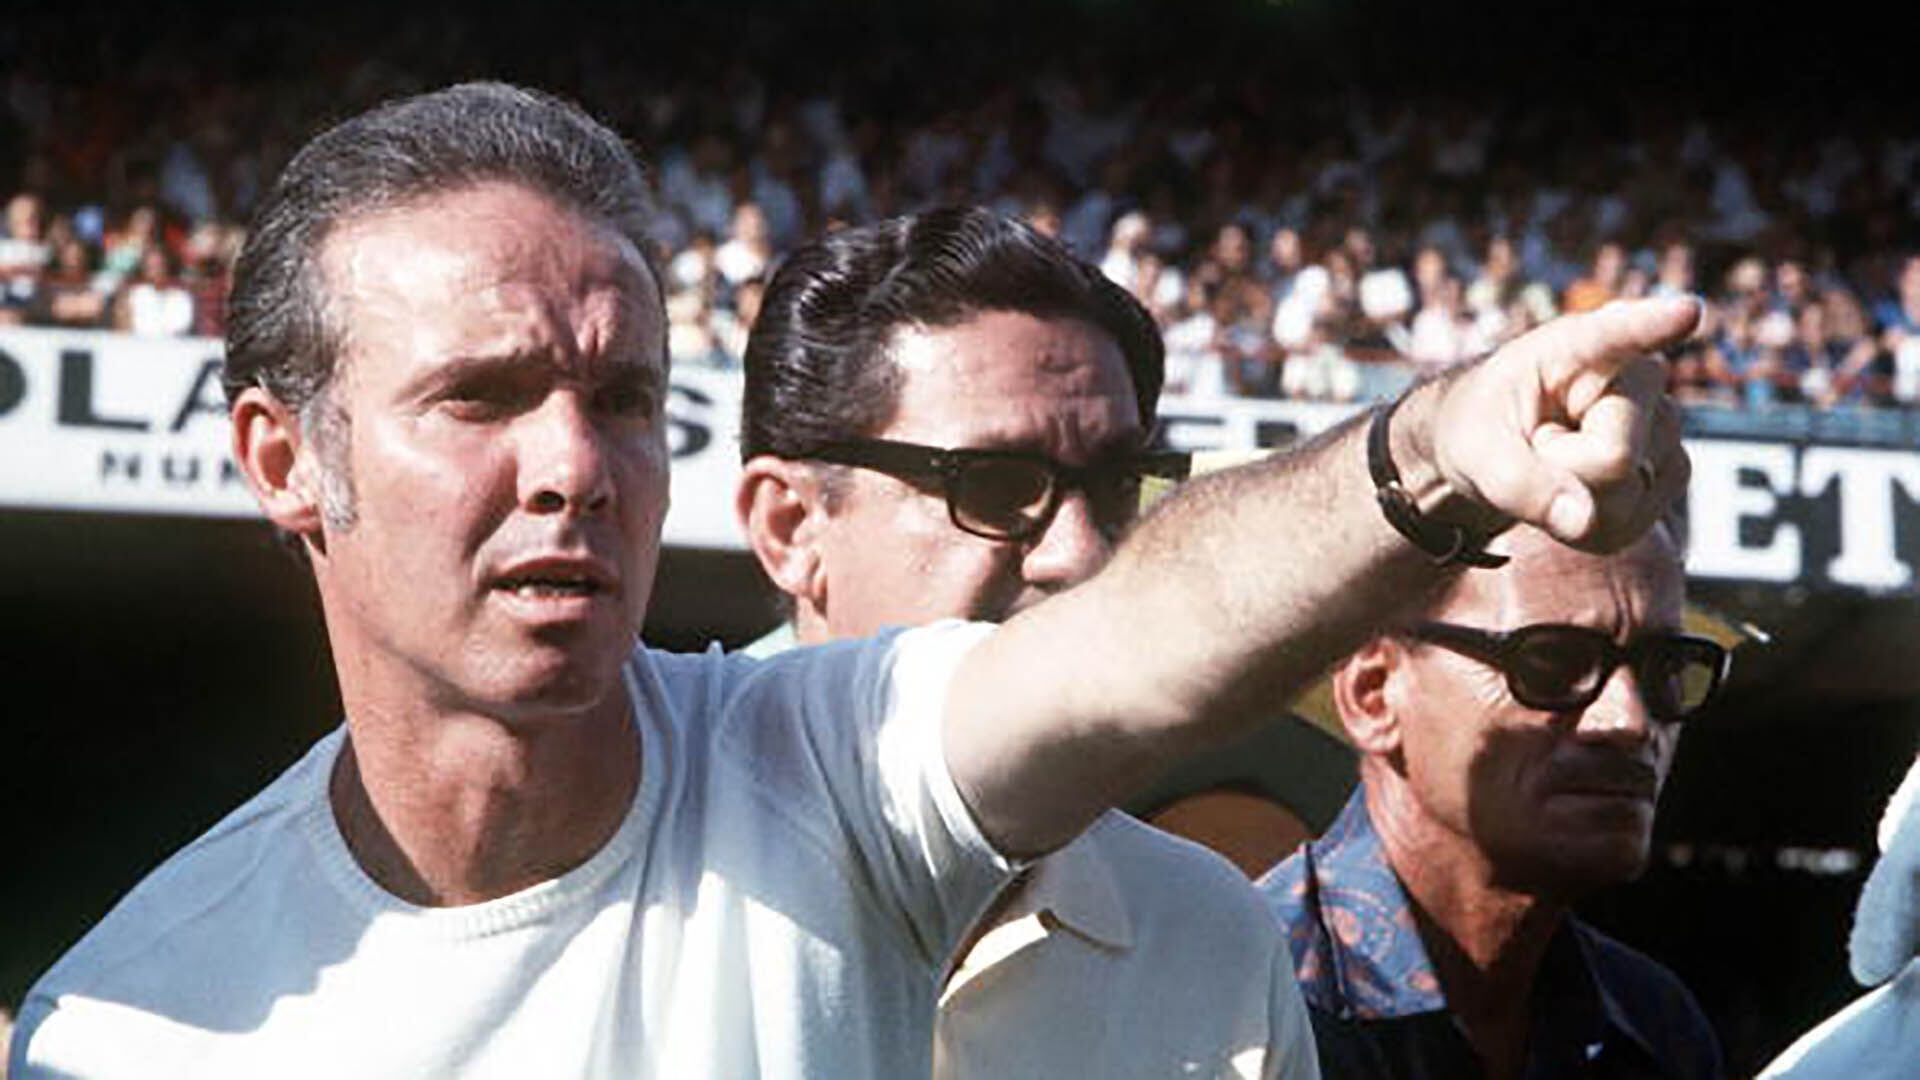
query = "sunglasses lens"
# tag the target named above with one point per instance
(1677, 676)
(1002, 497)
(1556, 667)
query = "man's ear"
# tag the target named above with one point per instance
(278, 463)
(1360, 694)
(782, 510)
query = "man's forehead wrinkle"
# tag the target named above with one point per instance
(397, 266)
(1622, 593)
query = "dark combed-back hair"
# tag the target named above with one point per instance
(279, 333)
(817, 369)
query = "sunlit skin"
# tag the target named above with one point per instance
(891, 556)
(501, 385)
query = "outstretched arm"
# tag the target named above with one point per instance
(1244, 585)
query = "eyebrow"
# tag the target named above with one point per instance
(507, 363)
(464, 366)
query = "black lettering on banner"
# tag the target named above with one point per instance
(1191, 432)
(180, 470)
(13, 383)
(195, 403)
(127, 465)
(76, 395)
(230, 473)
(687, 436)
(1272, 434)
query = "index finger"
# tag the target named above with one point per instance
(1578, 356)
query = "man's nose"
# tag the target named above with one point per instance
(1620, 713)
(563, 459)
(1069, 549)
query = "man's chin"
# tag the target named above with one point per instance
(1570, 870)
(554, 683)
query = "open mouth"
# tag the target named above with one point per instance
(540, 586)
(554, 579)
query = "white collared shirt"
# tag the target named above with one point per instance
(1127, 953)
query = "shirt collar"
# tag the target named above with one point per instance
(1075, 886)
(1356, 950)
(1358, 954)
(1072, 889)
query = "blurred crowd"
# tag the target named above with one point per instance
(1316, 244)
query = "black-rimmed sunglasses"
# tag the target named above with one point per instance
(1560, 668)
(1012, 494)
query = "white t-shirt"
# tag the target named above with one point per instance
(778, 901)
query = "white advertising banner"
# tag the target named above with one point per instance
(96, 421)
(1774, 511)
(107, 422)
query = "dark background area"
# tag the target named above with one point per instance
(158, 671)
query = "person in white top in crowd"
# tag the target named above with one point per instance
(748, 250)
(154, 303)
(534, 848)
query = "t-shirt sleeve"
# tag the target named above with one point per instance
(856, 760)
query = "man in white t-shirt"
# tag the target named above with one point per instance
(535, 849)
(1128, 952)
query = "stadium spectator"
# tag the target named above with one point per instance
(23, 248)
(1286, 257)
(24, 257)
(1470, 178)
(1602, 283)
(693, 268)
(1899, 321)
(1126, 242)
(1814, 357)
(1733, 356)
(73, 293)
(1865, 372)
(748, 250)
(210, 251)
(127, 244)
(1133, 264)
(1675, 275)
(154, 303)
(1442, 335)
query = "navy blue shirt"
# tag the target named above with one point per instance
(1599, 1009)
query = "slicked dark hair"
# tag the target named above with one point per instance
(279, 331)
(817, 369)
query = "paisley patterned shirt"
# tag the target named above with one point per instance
(1599, 1008)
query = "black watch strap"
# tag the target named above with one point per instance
(1445, 544)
